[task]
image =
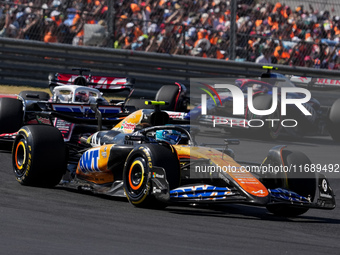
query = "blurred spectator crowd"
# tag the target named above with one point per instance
(265, 32)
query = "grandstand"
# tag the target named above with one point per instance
(297, 33)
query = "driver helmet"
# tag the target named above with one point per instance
(259, 87)
(170, 136)
(81, 97)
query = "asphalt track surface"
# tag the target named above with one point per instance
(63, 221)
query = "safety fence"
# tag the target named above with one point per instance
(31, 62)
(295, 33)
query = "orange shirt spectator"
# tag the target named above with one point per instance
(202, 34)
(277, 7)
(134, 8)
(219, 55)
(137, 32)
(281, 53)
(50, 37)
(258, 22)
(214, 40)
(55, 16)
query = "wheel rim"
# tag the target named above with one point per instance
(136, 175)
(20, 158)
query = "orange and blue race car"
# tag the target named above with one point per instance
(155, 164)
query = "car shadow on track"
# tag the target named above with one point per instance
(231, 211)
(90, 193)
(286, 139)
(246, 212)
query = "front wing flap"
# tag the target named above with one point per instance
(325, 198)
(206, 194)
(191, 194)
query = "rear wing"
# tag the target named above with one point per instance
(315, 82)
(102, 83)
(80, 113)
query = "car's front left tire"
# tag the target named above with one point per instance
(39, 156)
(139, 168)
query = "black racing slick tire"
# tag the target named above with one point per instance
(334, 121)
(303, 183)
(11, 115)
(270, 130)
(34, 95)
(169, 93)
(39, 156)
(139, 167)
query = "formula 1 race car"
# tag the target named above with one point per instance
(220, 109)
(156, 166)
(175, 95)
(70, 104)
(72, 96)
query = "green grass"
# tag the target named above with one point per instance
(9, 89)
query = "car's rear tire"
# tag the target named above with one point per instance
(270, 129)
(11, 115)
(34, 95)
(334, 121)
(39, 156)
(303, 183)
(138, 169)
(169, 93)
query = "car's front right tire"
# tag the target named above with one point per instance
(302, 183)
(334, 121)
(11, 115)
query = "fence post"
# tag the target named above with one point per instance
(110, 23)
(233, 9)
(184, 28)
